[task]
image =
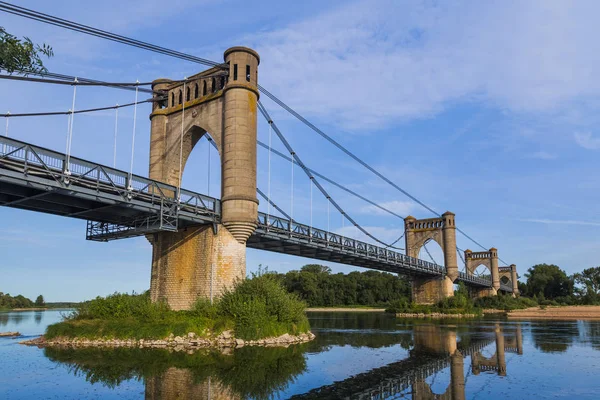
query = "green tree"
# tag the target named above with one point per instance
(320, 288)
(316, 269)
(589, 281)
(22, 55)
(39, 301)
(549, 281)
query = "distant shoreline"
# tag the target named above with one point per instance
(344, 309)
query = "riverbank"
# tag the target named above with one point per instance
(188, 342)
(557, 313)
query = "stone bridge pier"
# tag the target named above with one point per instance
(430, 290)
(203, 261)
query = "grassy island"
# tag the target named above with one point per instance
(256, 308)
(462, 305)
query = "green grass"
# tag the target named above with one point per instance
(459, 304)
(256, 308)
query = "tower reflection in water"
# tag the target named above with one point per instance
(262, 373)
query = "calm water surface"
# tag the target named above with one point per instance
(355, 356)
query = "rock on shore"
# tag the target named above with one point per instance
(189, 342)
(434, 315)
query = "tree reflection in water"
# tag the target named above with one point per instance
(248, 372)
(263, 373)
(554, 336)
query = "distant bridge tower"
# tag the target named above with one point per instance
(203, 261)
(508, 276)
(442, 230)
(488, 259)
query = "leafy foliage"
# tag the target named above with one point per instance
(505, 302)
(458, 304)
(318, 287)
(589, 281)
(257, 308)
(548, 281)
(7, 301)
(22, 55)
(39, 301)
(261, 307)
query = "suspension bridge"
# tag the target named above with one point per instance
(199, 241)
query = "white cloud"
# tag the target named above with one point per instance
(587, 141)
(403, 208)
(372, 63)
(560, 222)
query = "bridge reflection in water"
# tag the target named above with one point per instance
(264, 373)
(435, 348)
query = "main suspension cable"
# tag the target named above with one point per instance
(307, 172)
(339, 186)
(270, 202)
(356, 158)
(41, 17)
(74, 26)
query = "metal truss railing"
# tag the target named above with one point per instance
(474, 279)
(506, 288)
(319, 238)
(164, 206)
(328, 240)
(51, 168)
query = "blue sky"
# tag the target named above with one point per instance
(487, 109)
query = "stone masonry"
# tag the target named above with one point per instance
(443, 231)
(488, 259)
(205, 260)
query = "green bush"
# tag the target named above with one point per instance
(505, 302)
(256, 308)
(120, 306)
(261, 307)
(458, 304)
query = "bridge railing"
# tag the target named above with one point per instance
(321, 238)
(40, 163)
(474, 279)
(506, 288)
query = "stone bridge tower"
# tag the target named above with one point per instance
(427, 290)
(220, 102)
(508, 276)
(488, 259)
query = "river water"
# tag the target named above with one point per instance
(355, 356)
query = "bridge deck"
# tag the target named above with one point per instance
(120, 205)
